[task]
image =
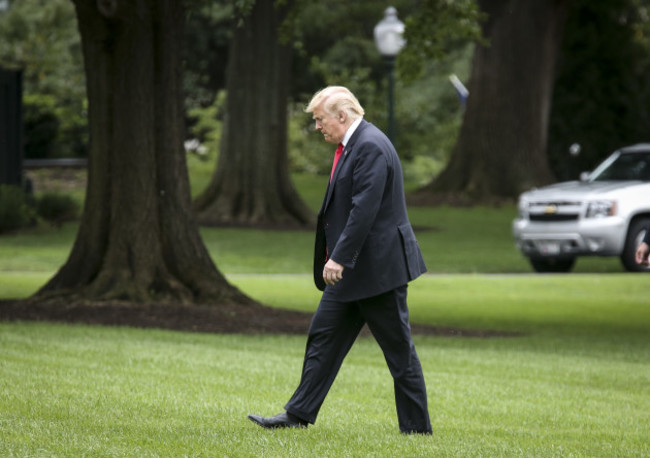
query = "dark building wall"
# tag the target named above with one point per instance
(11, 142)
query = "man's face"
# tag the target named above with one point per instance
(332, 127)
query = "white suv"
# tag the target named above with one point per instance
(604, 214)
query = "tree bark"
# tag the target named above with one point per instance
(501, 149)
(251, 185)
(138, 239)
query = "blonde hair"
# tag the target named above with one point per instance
(335, 99)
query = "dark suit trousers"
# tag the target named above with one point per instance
(333, 330)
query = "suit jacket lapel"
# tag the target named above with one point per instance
(347, 151)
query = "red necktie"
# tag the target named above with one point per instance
(337, 156)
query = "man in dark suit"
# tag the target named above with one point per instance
(365, 255)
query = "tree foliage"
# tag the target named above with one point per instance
(40, 38)
(600, 98)
(335, 45)
(602, 90)
(208, 31)
(437, 27)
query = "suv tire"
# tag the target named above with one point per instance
(552, 265)
(635, 235)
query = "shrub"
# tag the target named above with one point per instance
(57, 208)
(206, 126)
(54, 129)
(15, 211)
(308, 152)
(421, 170)
(41, 125)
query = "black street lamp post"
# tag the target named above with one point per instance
(389, 41)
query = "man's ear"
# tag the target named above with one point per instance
(342, 117)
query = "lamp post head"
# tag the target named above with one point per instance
(388, 34)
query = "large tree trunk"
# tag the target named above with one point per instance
(138, 239)
(501, 149)
(251, 185)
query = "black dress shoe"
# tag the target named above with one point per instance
(282, 420)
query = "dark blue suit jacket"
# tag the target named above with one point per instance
(363, 223)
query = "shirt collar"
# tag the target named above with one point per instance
(351, 130)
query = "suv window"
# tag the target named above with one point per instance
(624, 166)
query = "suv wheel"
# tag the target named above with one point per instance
(549, 265)
(634, 237)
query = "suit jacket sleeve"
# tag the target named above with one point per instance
(370, 171)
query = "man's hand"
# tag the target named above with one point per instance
(641, 255)
(332, 272)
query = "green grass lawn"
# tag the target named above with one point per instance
(574, 382)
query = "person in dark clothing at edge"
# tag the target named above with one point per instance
(365, 255)
(643, 250)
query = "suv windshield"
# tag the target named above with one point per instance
(623, 167)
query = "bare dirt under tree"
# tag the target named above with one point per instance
(222, 319)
